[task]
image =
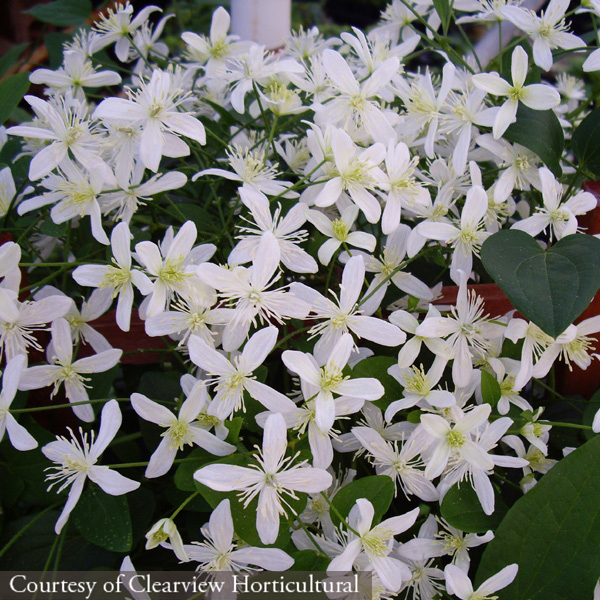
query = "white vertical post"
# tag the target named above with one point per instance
(266, 22)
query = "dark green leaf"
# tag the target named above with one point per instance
(550, 287)
(12, 90)
(11, 57)
(377, 367)
(158, 385)
(104, 520)
(490, 388)
(49, 227)
(310, 560)
(586, 142)
(444, 11)
(540, 131)
(461, 509)
(553, 533)
(377, 489)
(63, 13)
(54, 43)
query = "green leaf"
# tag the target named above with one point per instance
(553, 533)
(444, 11)
(377, 489)
(549, 287)
(54, 43)
(490, 388)
(540, 131)
(12, 90)
(586, 142)
(104, 520)
(184, 476)
(11, 57)
(310, 560)
(63, 13)
(377, 367)
(461, 509)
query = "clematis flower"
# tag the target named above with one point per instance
(155, 106)
(117, 27)
(119, 277)
(76, 461)
(322, 383)
(339, 232)
(459, 584)
(376, 544)
(214, 51)
(76, 73)
(180, 431)
(536, 96)
(232, 378)
(272, 477)
(356, 172)
(248, 292)
(219, 552)
(19, 437)
(163, 530)
(72, 373)
(560, 216)
(548, 31)
(456, 441)
(344, 315)
(172, 265)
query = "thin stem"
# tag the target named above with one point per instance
(568, 425)
(184, 504)
(336, 512)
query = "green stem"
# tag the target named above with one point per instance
(336, 512)
(184, 504)
(16, 411)
(568, 425)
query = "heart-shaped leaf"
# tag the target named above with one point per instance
(549, 287)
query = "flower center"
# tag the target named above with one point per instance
(455, 439)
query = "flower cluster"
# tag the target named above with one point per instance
(280, 224)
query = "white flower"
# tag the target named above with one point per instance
(72, 373)
(321, 383)
(456, 442)
(339, 232)
(76, 73)
(76, 461)
(117, 27)
(459, 584)
(119, 277)
(272, 477)
(286, 230)
(65, 125)
(172, 265)
(214, 51)
(466, 329)
(355, 104)
(75, 193)
(180, 431)
(247, 290)
(548, 31)
(560, 216)
(356, 173)
(218, 551)
(537, 95)
(19, 319)
(155, 106)
(19, 437)
(376, 544)
(163, 530)
(344, 315)
(232, 378)
(403, 465)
